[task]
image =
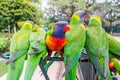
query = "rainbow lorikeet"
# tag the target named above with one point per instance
(18, 50)
(97, 47)
(114, 63)
(55, 38)
(37, 51)
(75, 44)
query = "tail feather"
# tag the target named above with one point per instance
(32, 63)
(71, 75)
(101, 64)
(14, 73)
(108, 76)
(97, 65)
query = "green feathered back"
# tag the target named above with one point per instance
(38, 48)
(18, 49)
(38, 37)
(20, 41)
(97, 47)
(73, 48)
(96, 36)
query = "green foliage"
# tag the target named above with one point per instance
(13, 11)
(3, 68)
(3, 43)
(35, 1)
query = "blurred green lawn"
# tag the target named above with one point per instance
(3, 67)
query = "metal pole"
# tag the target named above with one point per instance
(43, 70)
(80, 71)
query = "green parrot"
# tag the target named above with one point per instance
(74, 46)
(97, 47)
(114, 45)
(18, 49)
(114, 63)
(37, 51)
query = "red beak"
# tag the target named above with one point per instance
(85, 17)
(67, 28)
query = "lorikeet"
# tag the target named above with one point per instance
(114, 63)
(97, 47)
(74, 46)
(55, 38)
(18, 49)
(37, 51)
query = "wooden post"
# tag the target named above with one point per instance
(8, 29)
(14, 28)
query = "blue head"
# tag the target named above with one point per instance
(60, 28)
(83, 16)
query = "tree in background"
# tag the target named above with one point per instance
(63, 9)
(109, 11)
(13, 11)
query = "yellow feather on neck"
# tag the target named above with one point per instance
(82, 25)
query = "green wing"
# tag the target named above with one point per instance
(97, 48)
(18, 48)
(114, 45)
(74, 46)
(36, 51)
(96, 41)
(50, 32)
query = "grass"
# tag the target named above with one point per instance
(3, 68)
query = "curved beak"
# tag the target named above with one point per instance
(67, 28)
(86, 21)
(85, 17)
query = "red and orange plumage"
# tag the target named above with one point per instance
(57, 40)
(55, 44)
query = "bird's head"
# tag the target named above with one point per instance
(28, 25)
(60, 28)
(62, 25)
(95, 20)
(83, 16)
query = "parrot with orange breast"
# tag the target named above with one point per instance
(55, 38)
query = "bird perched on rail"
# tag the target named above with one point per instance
(97, 47)
(75, 44)
(18, 50)
(55, 38)
(37, 51)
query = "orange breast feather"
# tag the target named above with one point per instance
(55, 44)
